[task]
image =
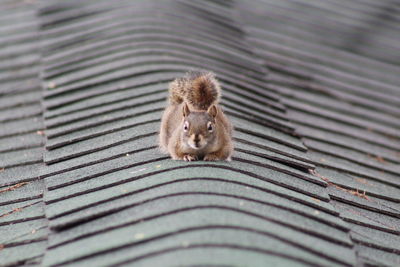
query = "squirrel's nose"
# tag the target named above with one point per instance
(196, 138)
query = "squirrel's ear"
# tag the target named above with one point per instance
(212, 111)
(186, 110)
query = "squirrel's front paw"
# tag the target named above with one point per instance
(211, 157)
(189, 158)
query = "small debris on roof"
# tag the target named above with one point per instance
(11, 188)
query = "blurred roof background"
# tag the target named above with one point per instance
(312, 88)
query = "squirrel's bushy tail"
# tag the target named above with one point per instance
(199, 89)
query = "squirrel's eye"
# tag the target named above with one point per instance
(186, 126)
(210, 127)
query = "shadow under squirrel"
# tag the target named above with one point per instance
(193, 126)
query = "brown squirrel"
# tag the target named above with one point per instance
(193, 126)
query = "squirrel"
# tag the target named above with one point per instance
(193, 125)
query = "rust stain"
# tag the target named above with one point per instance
(1, 247)
(11, 188)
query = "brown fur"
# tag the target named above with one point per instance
(193, 102)
(199, 89)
